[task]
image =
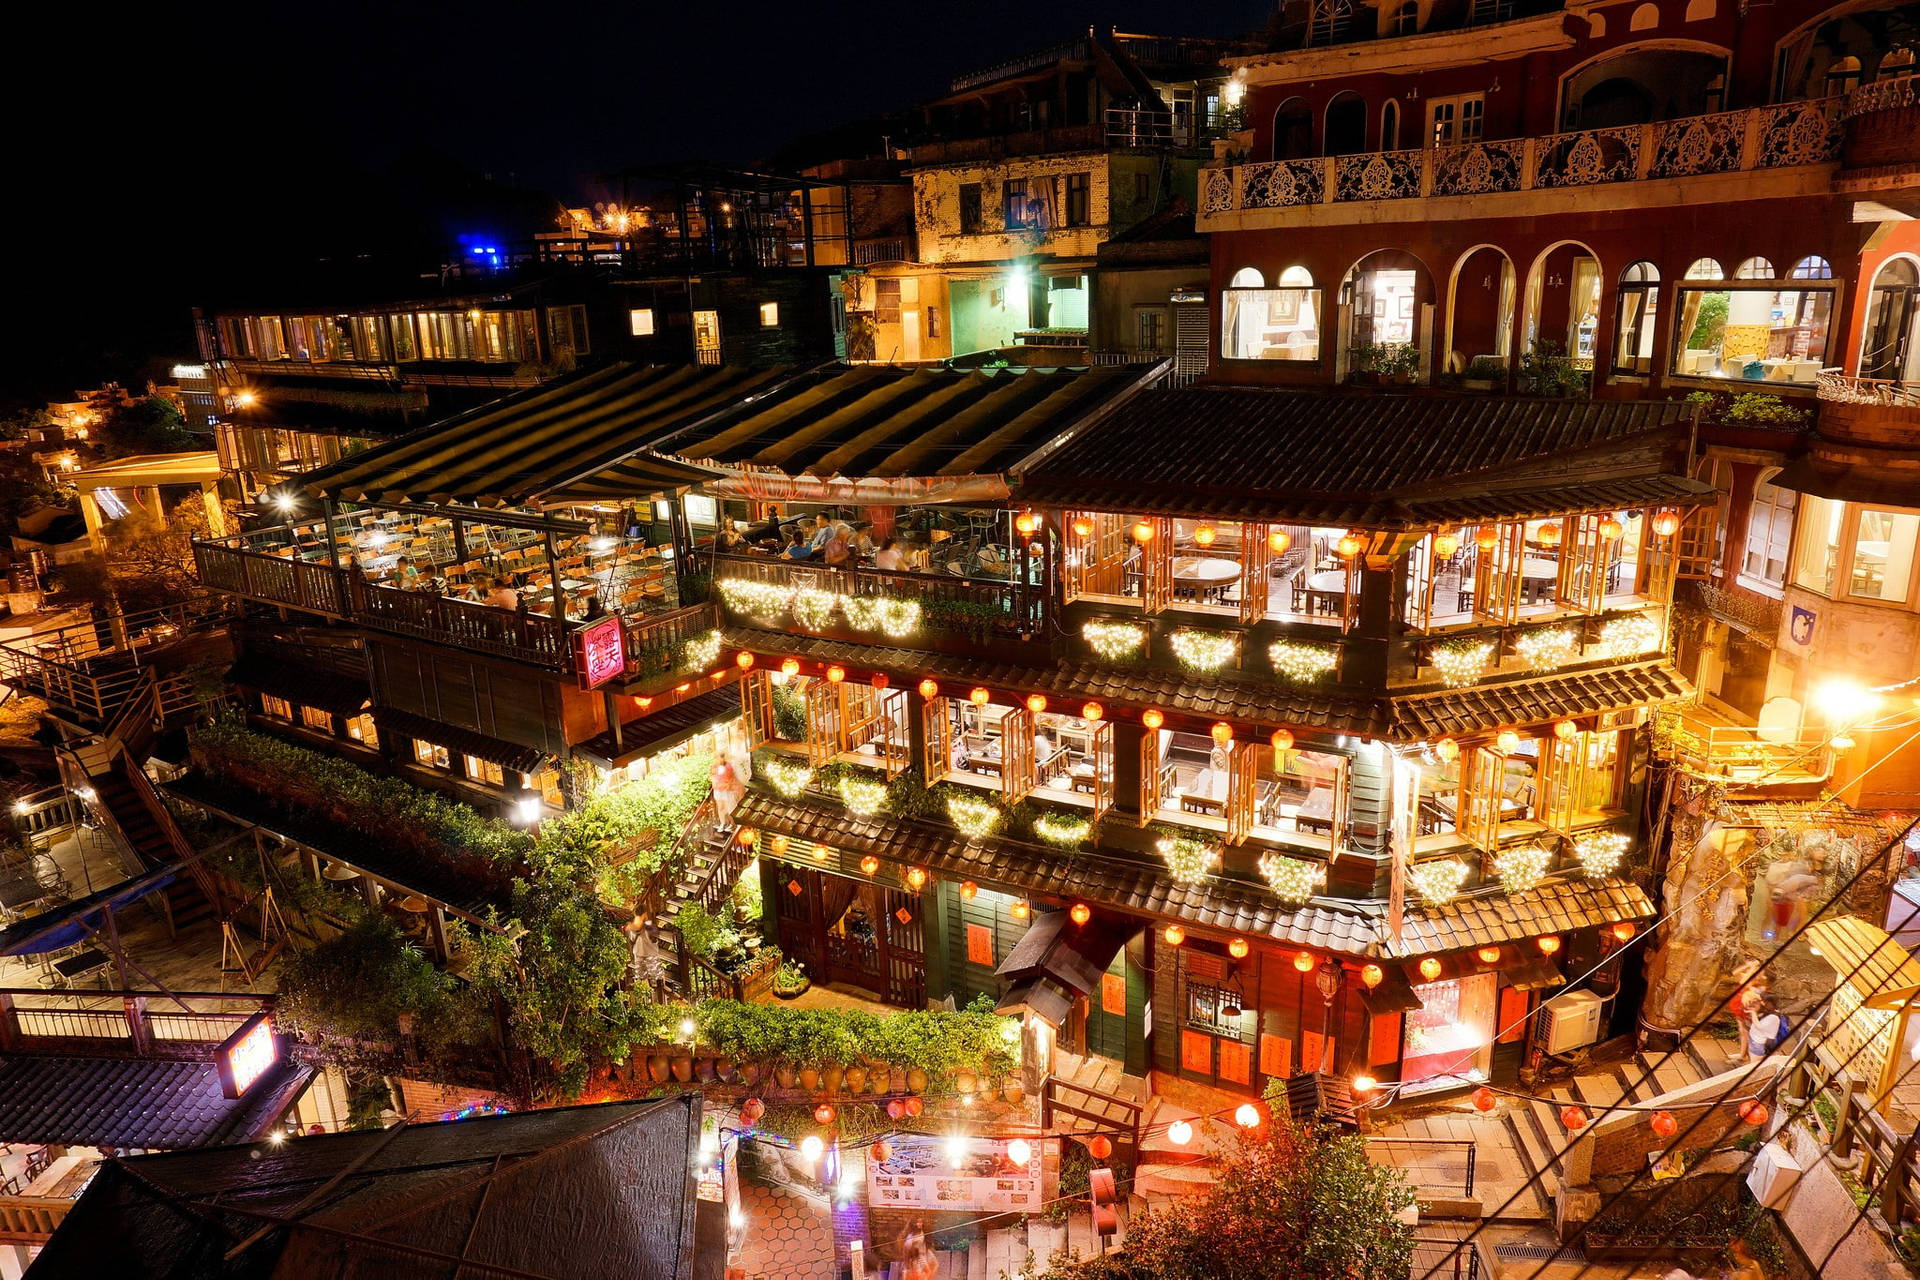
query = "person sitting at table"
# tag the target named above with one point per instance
(837, 551)
(497, 593)
(822, 530)
(889, 556)
(404, 575)
(797, 548)
(863, 543)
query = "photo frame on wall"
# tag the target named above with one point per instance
(1284, 307)
(1406, 306)
(1380, 308)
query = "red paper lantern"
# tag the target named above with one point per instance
(1488, 955)
(1238, 948)
(1624, 931)
(1143, 531)
(1664, 1125)
(1174, 935)
(879, 680)
(744, 660)
(929, 689)
(913, 1106)
(1666, 524)
(824, 1113)
(1080, 913)
(1019, 910)
(1036, 702)
(1099, 1146)
(1549, 945)
(880, 1152)
(1754, 1112)
(1447, 749)
(1372, 975)
(1278, 541)
(1564, 730)
(1574, 1118)
(778, 845)
(1152, 718)
(1282, 740)
(1484, 1099)
(1026, 522)
(1429, 969)
(752, 1109)
(1486, 537)
(1222, 732)
(1092, 712)
(869, 864)
(836, 673)
(1303, 961)
(968, 889)
(1203, 535)
(1082, 527)
(979, 697)
(896, 1109)
(790, 666)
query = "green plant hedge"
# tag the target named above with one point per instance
(937, 1042)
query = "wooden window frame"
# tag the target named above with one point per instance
(1243, 789)
(1016, 755)
(936, 740)
(1254, 583)
(823, 722)
(1150, 795)
(756, 706)
(1499, 575)
(1156, 567)
(1584, 557)
(1102, 753)
(1477, 805)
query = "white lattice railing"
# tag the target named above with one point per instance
(1777, 136)
(1882, 95)
(1836, 386)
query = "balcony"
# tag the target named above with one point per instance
(1882, 146)
(919, 610)
(1783, 760)
(998, 146)
(1562, 172)
(1869, 411)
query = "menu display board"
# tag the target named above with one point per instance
(929, 1173)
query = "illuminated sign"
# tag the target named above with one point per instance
(246, 1055)
(600, 652)
(956, 1173)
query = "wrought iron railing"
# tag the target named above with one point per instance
(1842, 389)
(1882, 95)
(1775, 136)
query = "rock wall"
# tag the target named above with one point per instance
(1688, 973)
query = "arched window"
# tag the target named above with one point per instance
(1704, 269)
(1390, 126)
(1843, 76)
(1346, 133)
(1754, 269)
(1282, 323)
(1898, 62)
(1890, 347)
(1293, 130)
(1637, 301)
(1811, 267)
(1406, 19)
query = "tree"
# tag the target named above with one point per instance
(1290, 1203)
(1709, 322)
(150, 561)
(152, 424)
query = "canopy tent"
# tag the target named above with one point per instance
(520, 449)
(878, 434)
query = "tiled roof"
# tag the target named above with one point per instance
(1224, 905)
(587, 1193)
(1370, 459)
(1422, 717)
(306, 684)
(872, 421)
(1228, 906)
(1414, 717)
(133, 1102)
(456, 738)
(1492, 919)
(667, 727)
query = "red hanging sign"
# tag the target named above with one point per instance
(599, 652)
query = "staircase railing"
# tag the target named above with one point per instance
(1078, 1106)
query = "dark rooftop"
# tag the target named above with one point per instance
(666, 728)
(578, 1193)
(134, 1102)
(1369, 459)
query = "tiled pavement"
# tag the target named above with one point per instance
(784, 1235)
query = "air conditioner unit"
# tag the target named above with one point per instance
(1572, 1020)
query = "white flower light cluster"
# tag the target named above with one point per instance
(1113, 641)
(755, 599)
(1204, 650)
(813, 608)
(862, 796)
(1438, 883)
(1058, 828)
(975, 819)
(702, 651)
(897, 618)
(1293, 880)
(1548, 647)
(1462, 662)
(1629, 636)
(1600, 852)
(788, 778)
(1521, 869)
(1188, 861)
(1302, 663)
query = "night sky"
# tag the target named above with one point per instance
(176, 159)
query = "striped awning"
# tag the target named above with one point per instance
(874, 422)
(525, 447)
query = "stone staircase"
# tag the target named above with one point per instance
(1003, 1251)
(1539, 1136)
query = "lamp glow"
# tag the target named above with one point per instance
(1179, 1133)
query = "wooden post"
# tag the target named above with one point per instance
(1893, 1184)
(9, 1025)
(613, 717)
(137, 1024)
(333, 546)
(1843, 1121)
(553, 572)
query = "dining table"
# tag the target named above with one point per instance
(1204, 575)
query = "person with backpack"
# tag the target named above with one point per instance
(1768, 1030)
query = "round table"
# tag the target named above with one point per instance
(1205, 572)
(1534, 568)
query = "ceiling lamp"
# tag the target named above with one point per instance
(1143, 531)
(1203, 535)
(1278, 541)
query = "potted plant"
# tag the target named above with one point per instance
(1484, 373)
(1399, 363)
(1363, 364)
(1547, 370)
(790, 980)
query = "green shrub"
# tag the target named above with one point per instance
(936, 1041)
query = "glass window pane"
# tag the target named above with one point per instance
(1883, 545)
(1819, 543)
(1270, 324)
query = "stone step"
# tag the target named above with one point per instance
(1712, 1056)
(1670, 1071)
(1154, 1179)
(1599, 1090)
(1534, 1153)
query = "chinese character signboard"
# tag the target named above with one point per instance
(246, 1055)
(600, 652)
(925, 1173)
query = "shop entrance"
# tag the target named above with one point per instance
(854, 932)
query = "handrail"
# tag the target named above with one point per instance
(1459, 1144)
(1776, 135)
(1050, 1104)
(1841, 388)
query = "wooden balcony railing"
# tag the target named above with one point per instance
(526, 637)
(973, 607)
(87, 672)
(308, 585)
(29, 1220)
(1777, 136)
(147, 1024)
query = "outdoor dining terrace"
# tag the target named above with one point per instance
(515, 587)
